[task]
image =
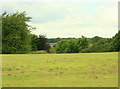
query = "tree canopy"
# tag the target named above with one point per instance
(15, 33)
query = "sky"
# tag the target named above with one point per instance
(68, 18)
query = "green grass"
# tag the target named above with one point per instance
(38, 52)
(60, 70)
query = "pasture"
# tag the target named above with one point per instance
(60, 70)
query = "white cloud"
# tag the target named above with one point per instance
(70, 19)
(59, 0)
(77, 22)
(108, 15)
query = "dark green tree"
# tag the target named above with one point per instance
(42, 43)
(15, 33)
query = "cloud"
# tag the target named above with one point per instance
(59, 0)
(69, 19)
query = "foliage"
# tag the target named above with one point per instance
(34, 42)
(83, 45)
(115, 44)
(103, 45)
(70, 45)
(15, 33)
(95, 39)
(66, 46)
(16, 36)
(42, 43)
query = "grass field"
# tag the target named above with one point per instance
(51, 44)
(60, 70)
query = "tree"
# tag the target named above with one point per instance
(70, 45)
(82, 43)
(42, 43)
(34, 42)
(15, 33)
(95, 39)
(102, 45)
(115, 44)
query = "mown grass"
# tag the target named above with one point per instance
(60, 70)
(38, 52)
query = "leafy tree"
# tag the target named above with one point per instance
(15, 33)
(82, 43)
(71, 45)
(103, 45)
(115, 44)
(34, 42)
(42, 43)
(96, 39)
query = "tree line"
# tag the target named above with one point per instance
(17, 38)
(87, 45)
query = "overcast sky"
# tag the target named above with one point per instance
(68, 18)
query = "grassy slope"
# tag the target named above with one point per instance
(52, 70)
